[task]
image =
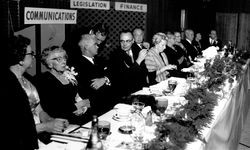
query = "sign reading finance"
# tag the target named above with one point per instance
(130, 7)
(34, 15)
(89, 4)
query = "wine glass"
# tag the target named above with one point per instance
(162, 104)
(172, 85)
(190, 79)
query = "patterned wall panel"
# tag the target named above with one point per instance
(116, 20)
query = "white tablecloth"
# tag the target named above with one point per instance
(223, 133)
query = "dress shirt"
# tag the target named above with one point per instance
(140, 45)
(89, 58)
(130, 53)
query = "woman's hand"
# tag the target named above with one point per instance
(56, 125)
(82, 107)
(168, 67)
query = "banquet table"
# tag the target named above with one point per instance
(222, 133)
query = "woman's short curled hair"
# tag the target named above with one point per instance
(17, 48)
(47, 51)
(158, 37)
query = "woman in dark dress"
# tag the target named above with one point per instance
(20, 124)
(58, 88)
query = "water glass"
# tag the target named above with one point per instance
(172, 85)
(162, 104)
(103, 129)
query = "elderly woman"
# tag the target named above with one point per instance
(24, 99)
(58, 88)
(156, 61)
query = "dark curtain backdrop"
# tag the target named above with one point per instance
(162, 16)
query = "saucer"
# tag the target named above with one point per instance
(117, 118)
(126, 129)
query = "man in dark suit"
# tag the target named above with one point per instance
(93, 79)
(192, 52)
(127, 70)
(100, 30)
(213, 40)
(139, 42)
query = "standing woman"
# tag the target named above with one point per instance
(156, 61)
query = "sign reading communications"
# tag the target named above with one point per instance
(90, 4)
(130, 7)
(34, 15)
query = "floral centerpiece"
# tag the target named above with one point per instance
(186, 125)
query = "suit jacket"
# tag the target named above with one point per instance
(191, 51)
(86, 72)
(20, 122)
(198, 46)
(207, 43)
(126, 76)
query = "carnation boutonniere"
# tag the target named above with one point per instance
(70, 74)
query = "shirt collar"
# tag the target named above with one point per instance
(91, 59)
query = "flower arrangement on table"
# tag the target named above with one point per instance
(185, 126)
(70, 74)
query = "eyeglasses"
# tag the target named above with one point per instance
(32, 53)
(126, 41)
(60, 59)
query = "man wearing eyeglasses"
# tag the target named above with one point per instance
(128, 71)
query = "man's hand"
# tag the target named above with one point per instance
(142, 54)
(97, 83)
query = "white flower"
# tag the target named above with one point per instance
(70, 74)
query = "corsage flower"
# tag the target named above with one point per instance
(70, 74)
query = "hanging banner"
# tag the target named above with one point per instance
(34, 15)
(130, 7)
(89, 4)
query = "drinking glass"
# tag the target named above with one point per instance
(172, 85)
(161, 106)
(103, 129)
(190, 79)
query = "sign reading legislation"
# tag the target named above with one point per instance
(34, 15)
(130, 7)
(89, 4)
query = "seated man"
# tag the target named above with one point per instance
(93, 79)
(127, 70)
(192, 52)
(213, 40)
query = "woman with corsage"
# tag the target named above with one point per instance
(26, 117)
(58, 88)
